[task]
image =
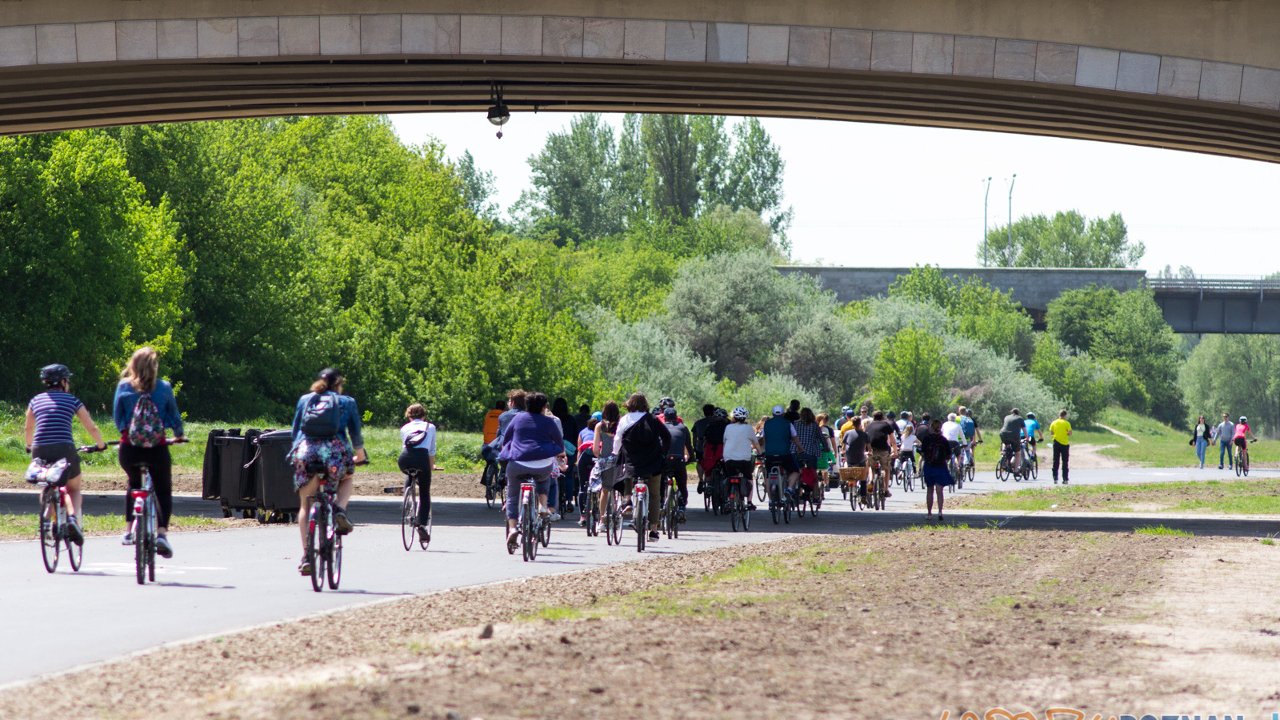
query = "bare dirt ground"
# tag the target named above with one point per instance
(442, 484)
(1085, 456)
(907, 624)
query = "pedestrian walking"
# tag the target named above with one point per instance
(1222, 434)
(1060, 430)
(1201, 436)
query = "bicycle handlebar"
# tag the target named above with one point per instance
(110, 443)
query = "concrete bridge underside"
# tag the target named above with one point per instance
(1201, 75)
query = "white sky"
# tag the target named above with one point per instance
(886, 195)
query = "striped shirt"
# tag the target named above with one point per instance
(54, 410)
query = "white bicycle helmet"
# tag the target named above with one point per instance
(1244, 419)
(740, 413)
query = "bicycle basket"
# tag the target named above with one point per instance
(46, 471)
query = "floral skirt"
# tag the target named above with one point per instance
(314, 456)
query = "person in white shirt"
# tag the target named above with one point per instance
(419, 456)
(953, 432)
(907, 446)
(739, 443)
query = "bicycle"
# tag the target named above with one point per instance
(671, 508)
(968, 466)
(592, 511)
(760, 480)
(953, 467)
(55, 507)
(736, 504)
(144, 525)
(1242, 459)
(1030, 457)
(877, 491)
(779, 508)
(640, 512)
(409, 513)
(532, 526)
(492, 490)
(324, 542)
(613, 519)
(905, 469)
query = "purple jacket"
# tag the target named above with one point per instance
(531, 437)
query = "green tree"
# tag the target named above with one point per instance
(926, 284)
(1074, 316)
(1079, 380)
(912, 371)
(671, 153)
(1137, 334)
(736, 318)
(1066, 240)
(90, 266)
(573, 177)
(477, 186)
(994, 319)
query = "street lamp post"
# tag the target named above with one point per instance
(1009, 228)
(985, 197)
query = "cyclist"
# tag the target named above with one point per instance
(1011, 439)
(491, 421)
(952, 431)
(1033, 433)
(1241, 439)
(678, 455)
(515, 405)
(813, 444)
(699, 437)
(326, 434)
(935, 450)
(739, 444)
(907, 447)
(904, 421)
(884, 444)
(827, 461)
(968, 432)
(645, 442)
(605, 471)
(586, 464)
(780, 442)
(48, 433)
(419, 453)
(141, 378)
(531, 446)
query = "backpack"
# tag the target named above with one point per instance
(321, 416)
(146, 429)
(415, 438)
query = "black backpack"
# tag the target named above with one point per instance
(321, 416)
(641, 442)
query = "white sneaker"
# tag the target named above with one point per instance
(127, 539)
(555, 516)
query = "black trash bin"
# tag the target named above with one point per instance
(236, 487)
(277, 500)
(211, 481)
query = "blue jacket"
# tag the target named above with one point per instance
(348, 422)
(531, 437)
(162, 396)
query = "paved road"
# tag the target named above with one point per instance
(220, 582)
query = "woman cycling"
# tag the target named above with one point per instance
(603, 447)
(326, 434)
(813, 445)
(419, 455)
(48, 433)
(531, 447)
(907, 446)
(141, 379)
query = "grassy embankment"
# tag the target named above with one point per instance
(1232, 497)
(22, 526)
(1158, 445)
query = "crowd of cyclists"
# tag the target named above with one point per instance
(587, 462)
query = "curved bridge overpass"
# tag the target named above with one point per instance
(1201, 75)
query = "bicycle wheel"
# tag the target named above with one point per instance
(152, 534)
(744, 516)
(49, 538)
(852, 491)
(488, 478)
(425, 543)
(408, 514)
(760, 480)
(1035, 467)
(333, 568)
(786, 509)
(615, 530)
(528, 543)
(544, 533)
(1244, 462)
(800, 507)
(641, 520)
(140, 549)
(315, 544)
(968, 471)
(732, 507)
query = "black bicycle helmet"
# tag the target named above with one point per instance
(54, 374)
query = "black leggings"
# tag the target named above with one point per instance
(160, 464)
(419, 459)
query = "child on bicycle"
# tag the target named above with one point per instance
(419, 456)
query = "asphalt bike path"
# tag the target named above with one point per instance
(228, 580)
